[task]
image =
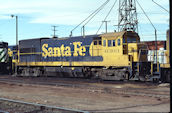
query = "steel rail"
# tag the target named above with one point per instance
(43, 105)
(3, 111)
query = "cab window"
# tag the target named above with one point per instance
(131, 40)
(104, 43)
(100, 42)
(95, 42)
(124, 40)
(113, 42)
(119, 42)
(109, 43)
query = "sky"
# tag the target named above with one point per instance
(36, 18)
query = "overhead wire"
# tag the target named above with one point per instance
(92, 14)
(145, 14)
(151, 13)
(160, 6)
(83, 27)
(106, 16)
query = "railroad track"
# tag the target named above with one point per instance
(94, 88)
(15, 106)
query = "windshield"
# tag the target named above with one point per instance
(129, 40)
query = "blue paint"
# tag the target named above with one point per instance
(36, 45)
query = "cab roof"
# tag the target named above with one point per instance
(119, 34)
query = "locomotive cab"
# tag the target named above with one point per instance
(132, 46)
(124, 50)
(137, 53)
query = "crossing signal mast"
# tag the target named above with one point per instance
(127, 19)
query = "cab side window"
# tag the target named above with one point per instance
(119, 42)
(124, 40)
(109, 43)
(113, 42)
(100, 42)
(104, 43)
(95, 42)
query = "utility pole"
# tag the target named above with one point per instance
(156, 48)
(170, 59)
(16, 28)
(127, 18)
(17, 44)
(105, 25)
(83, 31)
(54, 30)
(169, 24)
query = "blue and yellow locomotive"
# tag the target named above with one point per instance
(110, 56)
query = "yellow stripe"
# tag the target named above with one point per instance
(31, 53)
(95, 63)
(14, 50)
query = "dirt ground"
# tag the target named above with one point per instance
(86, 99)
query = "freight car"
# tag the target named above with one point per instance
(110, 56)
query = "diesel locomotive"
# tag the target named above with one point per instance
(109, 56)
(5, 60)
(165, 68)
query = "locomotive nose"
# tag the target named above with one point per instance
(138, 51)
